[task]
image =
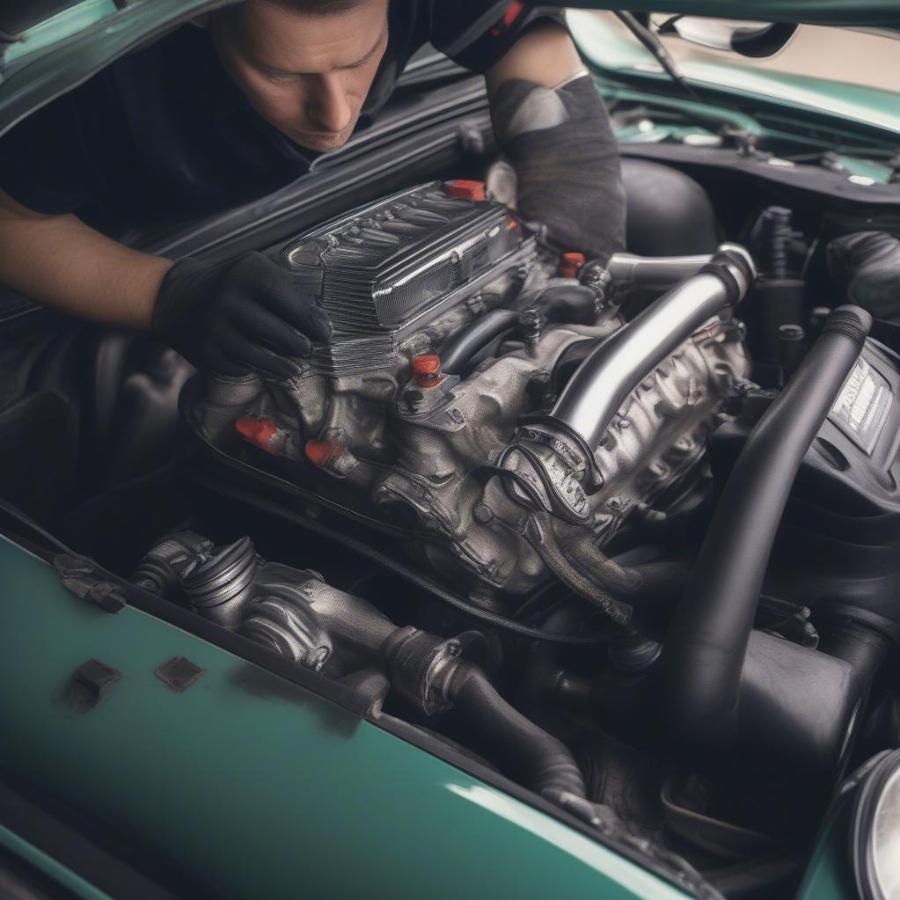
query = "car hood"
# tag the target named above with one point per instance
(47, 47)
(869, 13)
(17, 19)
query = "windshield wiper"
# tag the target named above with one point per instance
(655, 47)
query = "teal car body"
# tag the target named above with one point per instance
(255, 785)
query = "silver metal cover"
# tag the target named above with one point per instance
(386, 269)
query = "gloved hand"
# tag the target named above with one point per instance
(560, 143)
(868, 265)
(246, 314)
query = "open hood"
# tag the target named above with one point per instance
(51, 46)
(27, 28)
(18, 20)
(48, 47)
(860, 13)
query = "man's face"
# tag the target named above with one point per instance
(306, 74)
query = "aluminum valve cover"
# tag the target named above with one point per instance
(387, 269)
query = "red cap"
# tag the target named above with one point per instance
(257, 431)
(464, 189)
(427, 364)
(426, 369)
(511, 223)
(320, 453)
(510, 14)
(570, 263)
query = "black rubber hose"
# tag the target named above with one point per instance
(557, 303)
(706, 647)
(776, 233)
(542, 761)
(470, 340)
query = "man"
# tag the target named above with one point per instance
(212, 116)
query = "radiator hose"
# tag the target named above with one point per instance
(436, 674)
(542, 761)
(705, 651)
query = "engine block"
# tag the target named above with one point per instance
(434, 452)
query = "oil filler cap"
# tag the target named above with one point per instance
(426, 369)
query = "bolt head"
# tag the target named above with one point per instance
(482, 513)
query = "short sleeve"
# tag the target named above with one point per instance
(478, 33)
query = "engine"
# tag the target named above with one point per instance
(485, 400)
(596, 515)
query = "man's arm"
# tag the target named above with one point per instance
(552, 126)
(242, 315)
(545, 56)
(60, 261)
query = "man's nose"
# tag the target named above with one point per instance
(327, 107)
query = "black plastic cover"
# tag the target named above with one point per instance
(839, 542)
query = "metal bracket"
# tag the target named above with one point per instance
(89, 684)
(85, 580)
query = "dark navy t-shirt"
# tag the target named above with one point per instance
(164, 134)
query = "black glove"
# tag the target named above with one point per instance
(246, 314)
(867, 264)
(566, 160)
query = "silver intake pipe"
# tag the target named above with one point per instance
(655, 273)
(602, 383)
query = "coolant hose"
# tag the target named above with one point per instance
(470, 340)
(706, 648)
(543, 762)
(573, 303)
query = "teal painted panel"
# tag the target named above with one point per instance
(829, 875)
(256, 786)
(59, 27)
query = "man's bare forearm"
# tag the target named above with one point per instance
(61, 262)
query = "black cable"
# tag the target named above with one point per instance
(24, 519)
(421, 581)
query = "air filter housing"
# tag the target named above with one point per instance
(838, 547)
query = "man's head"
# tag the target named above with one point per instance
(305, 65)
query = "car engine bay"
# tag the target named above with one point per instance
(624, 532)
(451, 450)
